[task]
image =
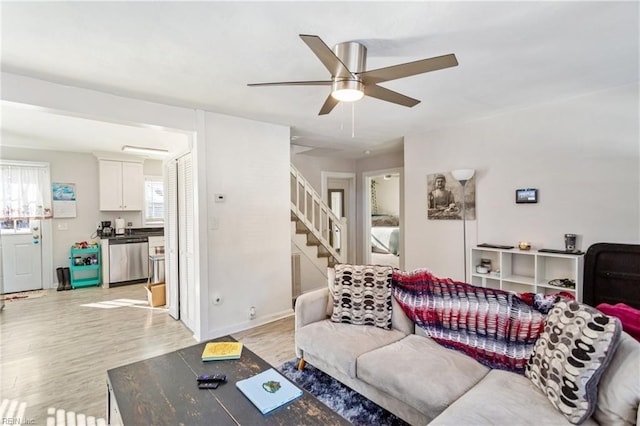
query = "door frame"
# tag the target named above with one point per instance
(351, 218)
(366, 211)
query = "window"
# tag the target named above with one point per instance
(153, 201)
(24, 194)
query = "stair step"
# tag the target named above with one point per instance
(301, 228)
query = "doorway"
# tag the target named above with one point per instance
(25, 197)
(179, 240)
(339, 192)
(382, 230)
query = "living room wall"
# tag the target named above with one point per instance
(249, 245)
(581, 153)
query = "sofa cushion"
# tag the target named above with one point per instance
(571, 354)
(362, 295)
(419, 371)
(619, 387)
(341, 344)
(503, 398)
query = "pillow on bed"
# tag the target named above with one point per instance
(385, 220)
(362, 295)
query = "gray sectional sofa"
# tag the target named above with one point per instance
(423, 382)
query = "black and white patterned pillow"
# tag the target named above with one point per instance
(362, 295)
(570, 356)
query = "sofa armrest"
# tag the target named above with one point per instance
(311, 307)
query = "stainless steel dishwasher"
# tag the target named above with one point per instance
(128, 260)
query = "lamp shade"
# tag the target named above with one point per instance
(463, 174)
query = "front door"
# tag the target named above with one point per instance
(22, 259)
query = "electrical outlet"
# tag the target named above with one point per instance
(252, 313)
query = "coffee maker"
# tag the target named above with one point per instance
(104, 229)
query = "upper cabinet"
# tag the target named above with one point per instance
(121, 185)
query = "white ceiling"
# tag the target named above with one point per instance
(203, 54)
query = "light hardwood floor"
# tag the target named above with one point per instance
(55, 350)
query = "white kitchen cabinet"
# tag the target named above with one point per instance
(121, 185)
(526, 271)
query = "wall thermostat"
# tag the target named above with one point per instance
(528, 195)
(219, 198)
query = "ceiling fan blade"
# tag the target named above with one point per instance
(294, 83)
(326, 56)
(328, 106)
(408, 69)
(381, 93)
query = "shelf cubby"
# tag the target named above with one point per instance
(527, 271)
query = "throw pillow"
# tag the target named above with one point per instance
(577, 344)
(362, 295)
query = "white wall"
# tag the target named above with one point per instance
(249, 249)
(582, 154)
(388, 195)
(311, 167)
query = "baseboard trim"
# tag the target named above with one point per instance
(235, 328)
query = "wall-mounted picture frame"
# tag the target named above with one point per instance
(444, 197)
(64, 200)
(526, 196)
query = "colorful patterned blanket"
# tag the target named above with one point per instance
(498, 328)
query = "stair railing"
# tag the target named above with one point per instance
(326, 226)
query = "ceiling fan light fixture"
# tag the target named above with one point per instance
(348, 90)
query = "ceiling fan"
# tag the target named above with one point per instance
(351, 82)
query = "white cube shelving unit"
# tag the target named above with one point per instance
(526, 271)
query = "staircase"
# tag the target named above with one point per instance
(314, 219)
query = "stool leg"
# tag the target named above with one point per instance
(301, 364)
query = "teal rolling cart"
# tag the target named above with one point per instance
(85, 267)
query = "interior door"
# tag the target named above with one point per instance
(186, 243)
(22, 259)
(171, 240)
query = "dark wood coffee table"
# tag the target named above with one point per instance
(163, 391)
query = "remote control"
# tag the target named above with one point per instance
(212, 378)
(208, 385)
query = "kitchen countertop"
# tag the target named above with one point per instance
(138, 232)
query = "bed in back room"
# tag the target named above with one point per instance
(385, 239)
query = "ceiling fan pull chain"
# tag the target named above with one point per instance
(353, 119)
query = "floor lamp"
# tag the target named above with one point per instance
(463, 176)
